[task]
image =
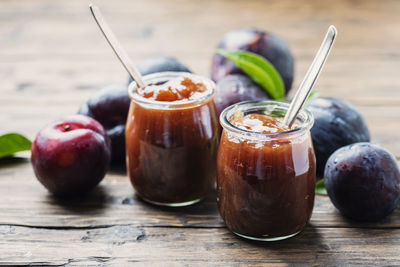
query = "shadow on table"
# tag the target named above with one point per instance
(207, 206)
(118, 168)
(309, 237)
(309, 245)
(390, 221)
(92, 203)
(12, 161)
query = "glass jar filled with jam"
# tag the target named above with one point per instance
(172, 138)
(266, 171)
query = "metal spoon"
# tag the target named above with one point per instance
(311, 76)
(116, 46)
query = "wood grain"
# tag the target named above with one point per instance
(163, 246)
(52, 58)
(114, 203)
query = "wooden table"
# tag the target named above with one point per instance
(52, 58)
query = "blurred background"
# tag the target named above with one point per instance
(53, 57)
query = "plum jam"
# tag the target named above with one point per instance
(172, 138)
(266, 171)
(180, 88)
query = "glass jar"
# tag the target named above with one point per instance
(171, 147)
(266, 181)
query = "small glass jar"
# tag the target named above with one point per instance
(266, 181)
(171, 147)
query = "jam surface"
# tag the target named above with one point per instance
(259, 123)
(182, 88)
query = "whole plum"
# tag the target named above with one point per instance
(363, 181)
(265, 44)
(159, 64)
(71, 155)
(236, 88)
(110, 106)
(337, 124)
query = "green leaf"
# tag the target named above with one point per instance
(277, 113)
(259, 69)
(320, 188)
(12, 143)
(314, 94)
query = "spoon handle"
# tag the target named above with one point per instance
(311, 76)
(116, 46)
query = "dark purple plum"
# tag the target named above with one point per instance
(265, 44)
(363, 181)
(159, 64)
(337, 124)
(236, 88)
(110, 106)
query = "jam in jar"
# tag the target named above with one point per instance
(172, 138)
(266, 171)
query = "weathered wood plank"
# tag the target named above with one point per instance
(23, 201)
(162, 246)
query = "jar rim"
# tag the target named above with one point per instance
(164, 77)
(305, 116)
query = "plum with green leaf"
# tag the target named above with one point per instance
(259, 70)
(268, 45)
(261, 82)
(235, 88)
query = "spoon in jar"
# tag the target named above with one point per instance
(116, 46)
(310, 78)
